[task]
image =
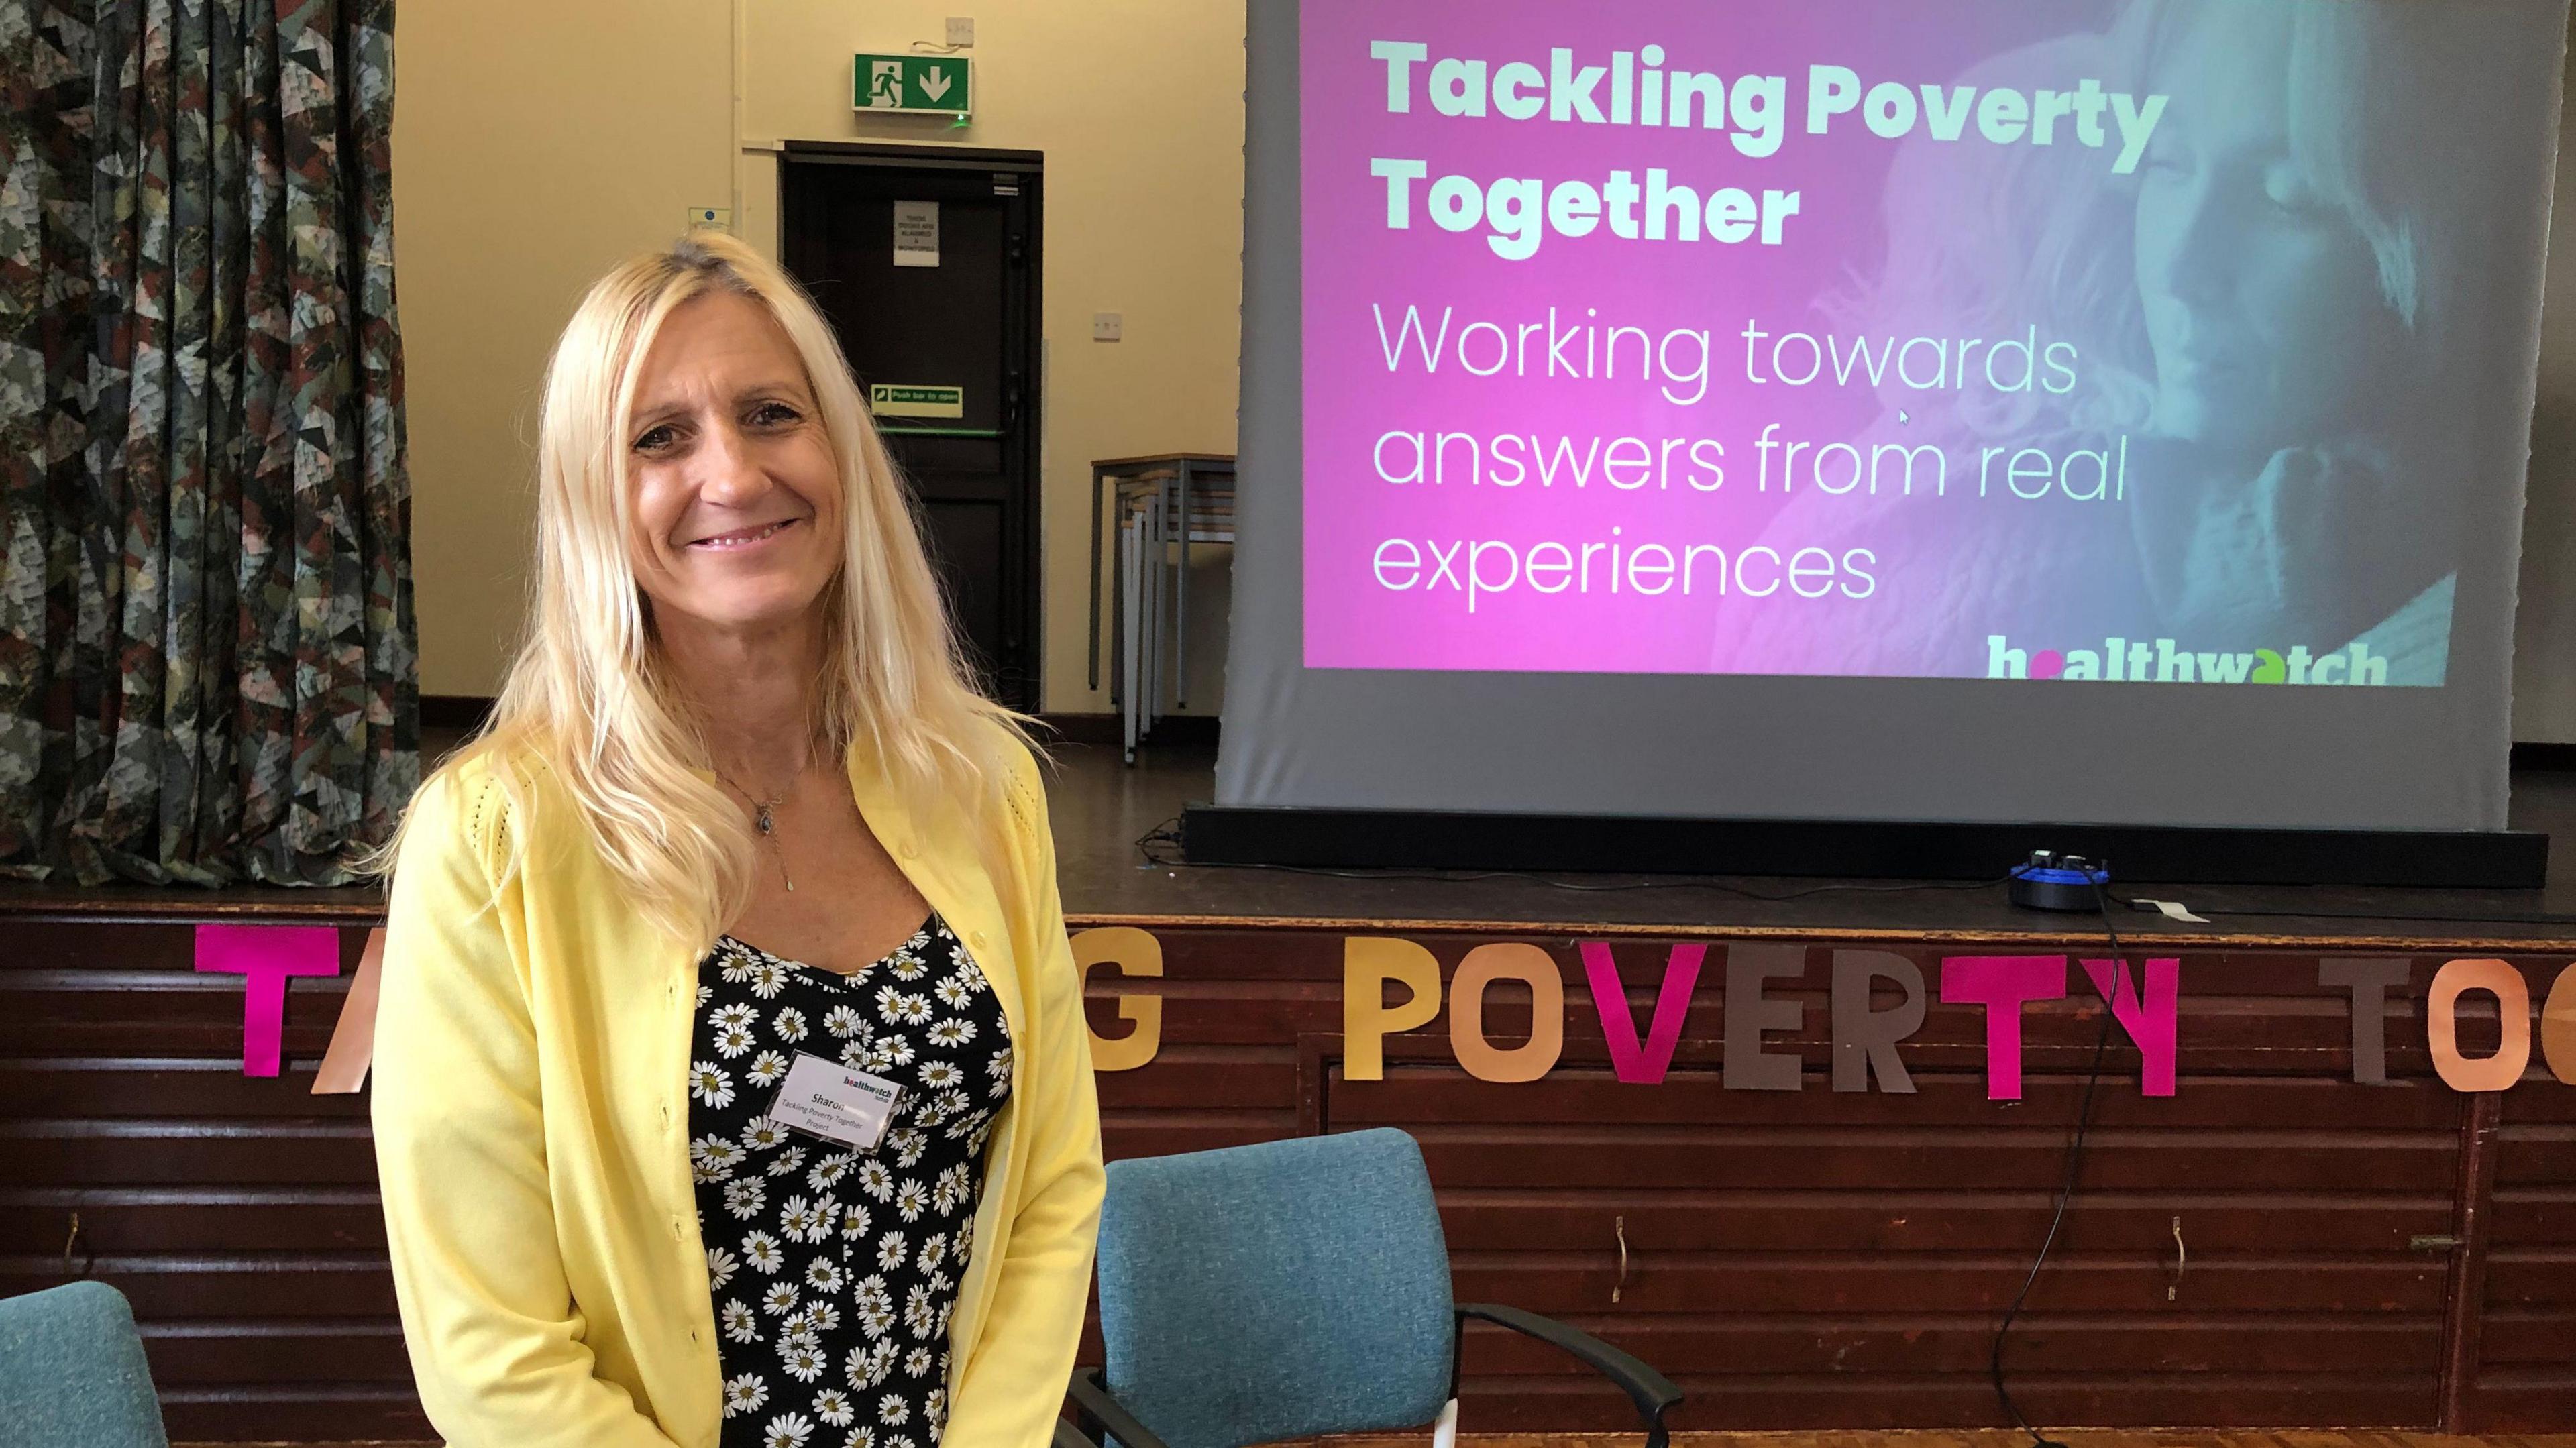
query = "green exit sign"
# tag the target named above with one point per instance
(939, 84)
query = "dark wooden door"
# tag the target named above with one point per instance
(968, 322)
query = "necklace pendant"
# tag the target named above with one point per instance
(764, 823)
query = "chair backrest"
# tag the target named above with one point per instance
(1276, 1291)
(72, 1373)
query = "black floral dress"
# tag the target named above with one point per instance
(834, 1269)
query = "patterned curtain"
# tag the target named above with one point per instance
(206, 643)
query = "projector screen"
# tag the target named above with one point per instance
(1921, 409)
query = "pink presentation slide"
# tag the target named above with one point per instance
(1981, 339)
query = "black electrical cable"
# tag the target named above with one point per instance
(2074, 1168)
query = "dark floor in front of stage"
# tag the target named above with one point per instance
(1101, 809)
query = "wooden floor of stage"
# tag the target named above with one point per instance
(1911, 1438)
(1102, 808)
(1999, 1438)
(1917, 1438)
(1990, 1438)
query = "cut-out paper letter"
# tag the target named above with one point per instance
(2003, 984)
(1641, 1065)
(2558, 1027)
(353, 1037)
(1749, 1013)
(2152, 1017)
(1368, 963)
(1864, 1039)
(2368, 980)
(2513, 1014)
(1507, 960)
(1136, 953)
(264, 956)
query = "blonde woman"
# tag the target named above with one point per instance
(732, 1085)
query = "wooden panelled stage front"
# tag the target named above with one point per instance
(2274, 1244)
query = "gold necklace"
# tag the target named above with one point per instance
(764, 819)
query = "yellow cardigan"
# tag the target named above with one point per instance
(531, 1127)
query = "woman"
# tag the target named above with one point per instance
(739, 819)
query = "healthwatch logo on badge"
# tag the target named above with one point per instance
(2127, 661)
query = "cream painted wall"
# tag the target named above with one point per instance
(1144, 217)
(536, 144)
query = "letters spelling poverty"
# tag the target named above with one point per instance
(1633, 88)
(2144, 999)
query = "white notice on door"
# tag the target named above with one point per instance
(916, 233)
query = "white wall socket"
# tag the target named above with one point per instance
(1106, 326)
(961, 30)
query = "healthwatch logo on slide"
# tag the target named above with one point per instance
(2126, 661)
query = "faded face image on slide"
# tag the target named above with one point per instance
(2281, 296)
(2262, 300)
(2278, 315)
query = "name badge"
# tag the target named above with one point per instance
(836, 1102)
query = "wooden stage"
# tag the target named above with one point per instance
(2275, 1245)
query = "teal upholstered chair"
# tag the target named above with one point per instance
(1292, 1289)
(72, 1373)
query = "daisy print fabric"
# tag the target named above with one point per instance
(835, 1270)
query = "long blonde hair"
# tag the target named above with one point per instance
(587, 698)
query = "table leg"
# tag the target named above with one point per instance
(1095, 577)
(1150, 620)
(1129, 581)
(1181, 603)
(1119, 564)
